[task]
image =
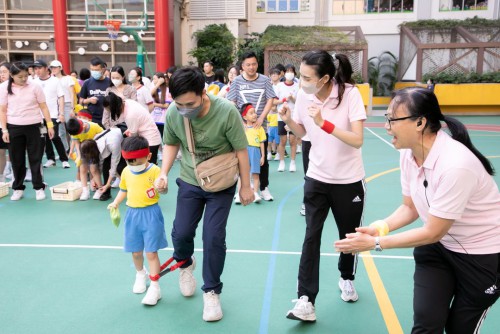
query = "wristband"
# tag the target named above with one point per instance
(50, 125)
(328, 127)
(284, 100)
(5, 131)
(381, 226)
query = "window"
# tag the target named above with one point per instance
(351, 7)
(277, 6)
(457, 5)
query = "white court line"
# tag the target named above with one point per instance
(382, 139)
(244, 251)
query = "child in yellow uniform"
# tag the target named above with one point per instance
(273, 137)
(144, 227)
(256, 139)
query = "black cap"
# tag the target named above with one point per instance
(39, 63)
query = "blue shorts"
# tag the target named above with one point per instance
(144, 229)
(254, 157)
(272, 132)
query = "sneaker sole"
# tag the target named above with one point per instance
(292, 316)
(348, 300)
(150, 304)
(213, 319)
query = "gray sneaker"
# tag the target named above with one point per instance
(212, 310)
(303, 310)
(349, 293)
(187, 282)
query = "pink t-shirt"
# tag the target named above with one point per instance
(331, 160)
(139, 122)
(459, 188)
(23, 106)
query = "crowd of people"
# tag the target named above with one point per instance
(124, 130)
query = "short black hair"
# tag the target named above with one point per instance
(98, 61)
(274, 70)
(248, 54)
(185, 80)
(84, 74)
(280, 67)
(73, 126)
(134, 143)
(208, 61)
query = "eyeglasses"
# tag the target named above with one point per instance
(389, 120)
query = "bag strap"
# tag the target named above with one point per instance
(190, 142)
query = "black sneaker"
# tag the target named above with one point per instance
(105, 197)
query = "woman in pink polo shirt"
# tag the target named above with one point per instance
(330, 110)
(22, 124)
(448, 184)
(138, 120)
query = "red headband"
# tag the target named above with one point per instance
(248, 107)
(81, 126)
(85, 114)
(128, 155)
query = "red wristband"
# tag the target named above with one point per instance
(328, 127)
(284, 100)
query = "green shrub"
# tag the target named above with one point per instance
(457, 78)
(253, 42)
(215, 43)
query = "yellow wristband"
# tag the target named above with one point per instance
(50, 125)
(381, 226)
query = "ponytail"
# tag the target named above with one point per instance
(115, 105)
(459, 133)
(422, 102)
(343, 75)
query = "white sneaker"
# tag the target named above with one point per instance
(187, 282)
(65, 164)
(40, 194)
(281, 167)
(153, 295)
(17, 195)
(97, 194)
(266, 195)
(299, 149)
(27, 178)
(292, 167)
(49, 163)
(237, 199)
(257, 198)
(269, 156)
(116, 183)
(302, 210)
(303, 310)
(277, 157)
(349, 293)
(141, 278)
(212, 310)
(85, 194)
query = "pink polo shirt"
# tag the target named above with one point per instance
(23, 106)
(459, 188)
(331, 160)
(139, 122)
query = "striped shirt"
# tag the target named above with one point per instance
(256, 92)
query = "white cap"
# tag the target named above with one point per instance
(55, 63)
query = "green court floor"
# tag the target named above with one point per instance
(63, 269)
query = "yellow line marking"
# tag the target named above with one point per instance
(383, 300)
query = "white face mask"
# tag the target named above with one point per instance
(137, 168)
(117, 82)
(132, 78)
(289, 76)
(310, 87)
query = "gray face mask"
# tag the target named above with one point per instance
(191, 113)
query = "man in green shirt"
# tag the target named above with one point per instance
(217, 128)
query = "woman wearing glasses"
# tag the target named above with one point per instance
(448, 184)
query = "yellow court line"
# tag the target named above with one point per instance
(388, 313)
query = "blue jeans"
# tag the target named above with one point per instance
(193, 203)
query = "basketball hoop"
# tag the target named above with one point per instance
(113, 27)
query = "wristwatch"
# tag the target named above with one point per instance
(377, 244)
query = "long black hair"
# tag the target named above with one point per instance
(118, 69)
(15, 69)
(323, 63)
(115, 105)
(423, 103)
(138, 71)
(160, 98)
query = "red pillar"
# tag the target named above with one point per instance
(61, 33)
(163, 36)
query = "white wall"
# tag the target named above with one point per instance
(380, 43)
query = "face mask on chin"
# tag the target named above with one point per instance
(310, 87)
(138, 168)
(191, 113)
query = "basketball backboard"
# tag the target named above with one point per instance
(131, 13)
